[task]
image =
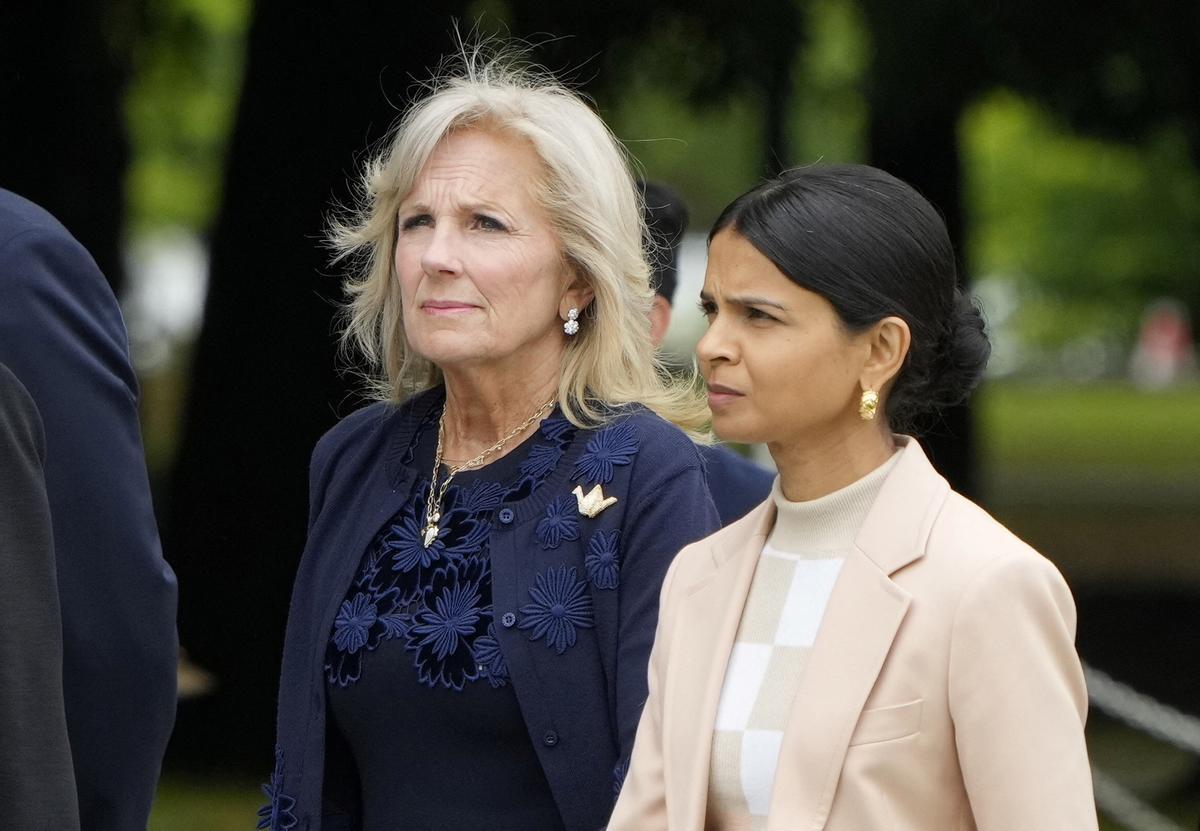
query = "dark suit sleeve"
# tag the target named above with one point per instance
(62, 335)
(36, 777)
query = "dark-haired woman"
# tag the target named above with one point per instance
(867, 649)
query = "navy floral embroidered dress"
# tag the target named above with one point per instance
(494, 679)
(414, 647)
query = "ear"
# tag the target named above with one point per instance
(887, 345)
(577, 296)
(660, 319)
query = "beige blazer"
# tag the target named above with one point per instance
(943, 690)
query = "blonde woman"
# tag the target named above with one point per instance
(866, 649)
(471, 620)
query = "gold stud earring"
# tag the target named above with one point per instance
(868, 405)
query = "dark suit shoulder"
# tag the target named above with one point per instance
(19, 216)
(737, 484)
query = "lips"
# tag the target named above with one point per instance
(721, 389)
(720, 395)
(447, 306)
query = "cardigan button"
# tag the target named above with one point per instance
(506, 516)
(550, 739)
(509, 620)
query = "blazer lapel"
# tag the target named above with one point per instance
(856, 634)
(862, 617)
(712, 609)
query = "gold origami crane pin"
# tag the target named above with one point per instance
(594, 502)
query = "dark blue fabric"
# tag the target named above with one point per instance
(574, 651)
(419, 653)
(62, 335)
(736, 483)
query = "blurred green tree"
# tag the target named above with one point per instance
(63, 72)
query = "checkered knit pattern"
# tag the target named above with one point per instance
(792, 584)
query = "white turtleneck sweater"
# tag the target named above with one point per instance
(793, 581)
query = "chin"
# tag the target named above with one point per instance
(730, 428)
(449, 348)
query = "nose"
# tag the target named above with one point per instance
(716, 345)
(440, 255)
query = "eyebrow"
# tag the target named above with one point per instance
(465, 207)
(746, 300)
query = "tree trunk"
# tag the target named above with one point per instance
(319, 87)
(63, 145)
(925, 70)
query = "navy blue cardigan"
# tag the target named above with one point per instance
(581, 705)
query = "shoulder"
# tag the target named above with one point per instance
(987, 559)
(18, 215)
(40, 261)
(974, 536)
(354, 428)
(22, 223)
(658, 444)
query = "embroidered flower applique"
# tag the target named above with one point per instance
(363, 622)
(557, 428)
(452, 617)
(437, 599)
(482, 496)
(542, 460)
(612, 446)
(354, 620)
(462, 533)
(489, 659)
(560, 523)
(602, 559)
(561, 604)
(277, 814)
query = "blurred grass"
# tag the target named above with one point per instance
(186, 804)
(1099, 426)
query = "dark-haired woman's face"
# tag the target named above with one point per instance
(780, 366)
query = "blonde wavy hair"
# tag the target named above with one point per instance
(591, 200)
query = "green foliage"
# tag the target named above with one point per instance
(711, 149)
(829, 112)
(709, 154)
(180, 108)
(1095, 228)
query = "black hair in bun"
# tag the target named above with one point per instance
(873, 247)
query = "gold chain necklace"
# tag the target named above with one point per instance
(437, 492)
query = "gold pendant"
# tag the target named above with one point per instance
(431, 530)
(594, 502)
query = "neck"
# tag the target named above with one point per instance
(484, 406)
(813, 466)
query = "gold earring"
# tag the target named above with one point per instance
(868, 405)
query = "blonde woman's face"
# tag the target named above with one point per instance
(780, 366)
(482, 276)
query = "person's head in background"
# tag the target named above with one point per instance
(666, 223)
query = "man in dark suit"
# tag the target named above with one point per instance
(36, 777)
(735, 482)
(62, 336)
